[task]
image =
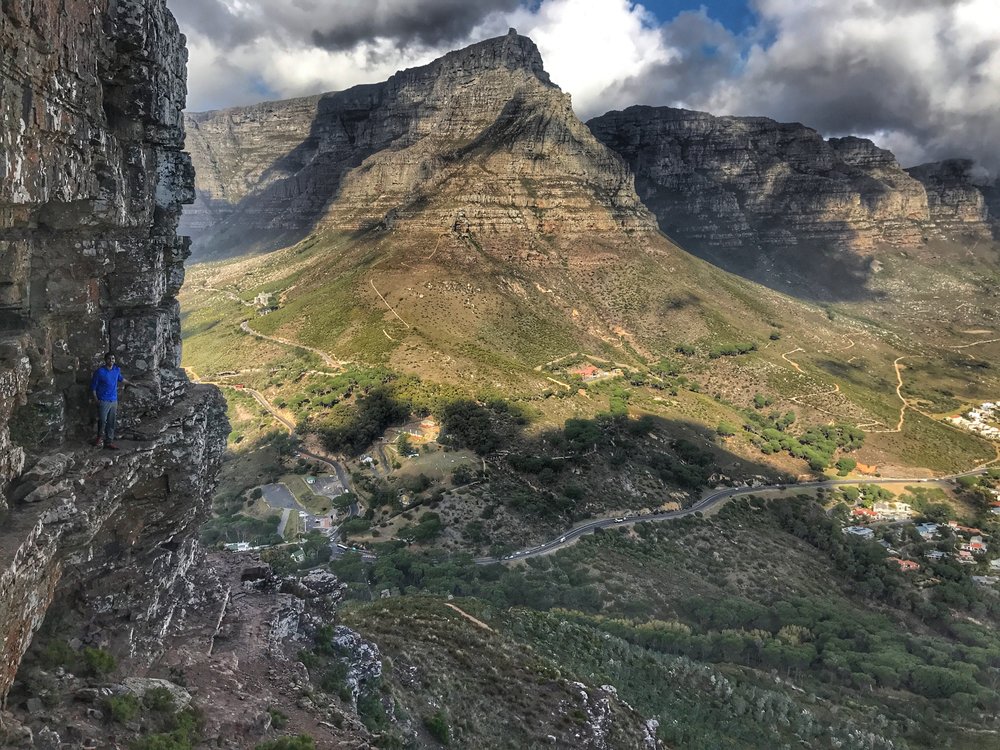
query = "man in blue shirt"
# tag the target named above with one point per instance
(104, 391)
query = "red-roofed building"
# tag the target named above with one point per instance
(586, 371)
(906, 566)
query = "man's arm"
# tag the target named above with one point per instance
(93, 386)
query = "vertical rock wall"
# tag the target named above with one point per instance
(957, 202)
(92, 178)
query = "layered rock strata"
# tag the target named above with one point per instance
(91, 138)
(957, 202)
(769, 199)
(480, 141)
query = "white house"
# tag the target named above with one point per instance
(860, 531)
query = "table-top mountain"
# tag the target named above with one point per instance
(781, 204)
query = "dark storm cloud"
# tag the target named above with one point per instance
(214, 19)
(336, 24)
(921, 76)
(704, 53)
(430, 22)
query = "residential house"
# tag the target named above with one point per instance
(864, 514)
(976, 545)
(985, 580)
(927, 530)
(587, 371)
(966, 530)
(907, 566)
(860, 531)
(965, 557)
(995, 564)
(893, 511)
(935, 554)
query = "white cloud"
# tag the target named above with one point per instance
(590, 47)
(922, 76)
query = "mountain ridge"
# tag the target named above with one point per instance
(425, 146)
(753, 195)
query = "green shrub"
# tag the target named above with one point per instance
(123, 708)
(298, 742)
(845, 466)
(725, 429)
(437, 725)
(372, 712)
(183, 733)
(98, 662)
(279, 719)
(159, 699)
(57, 654)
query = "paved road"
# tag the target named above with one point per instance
(709, 502)
(279, 496)
(285, 513)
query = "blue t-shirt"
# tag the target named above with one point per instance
(105, 383)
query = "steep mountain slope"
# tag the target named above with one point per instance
(778, 203)
(479, 140)
(459, 208)
(458, 223)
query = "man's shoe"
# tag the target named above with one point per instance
(99, 442)
(110, 446)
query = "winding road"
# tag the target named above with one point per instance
(709, 502)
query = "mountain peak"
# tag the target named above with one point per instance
(479, 138)
(511, 51)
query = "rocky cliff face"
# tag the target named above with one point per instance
(479, 140)
(91, 137)
(957, 202)
(775, 200)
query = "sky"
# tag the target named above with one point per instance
(920, 77)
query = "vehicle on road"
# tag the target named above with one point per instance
(562, 539)
(619, 520)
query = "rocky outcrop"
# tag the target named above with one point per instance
(956, 200)
(776, 200)
(479, 141)
(91, 138)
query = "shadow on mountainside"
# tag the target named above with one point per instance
(559, 475)
(817, 271)
(300, 187)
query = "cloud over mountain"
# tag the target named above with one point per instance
(919, 76)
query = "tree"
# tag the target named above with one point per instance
(845, 466)
(403, 444)
(968, 482)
